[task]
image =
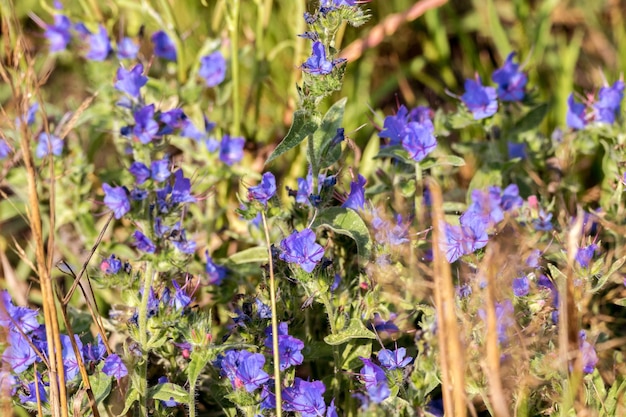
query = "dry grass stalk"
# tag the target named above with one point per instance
(451, 357)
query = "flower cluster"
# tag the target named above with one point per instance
(604, 110)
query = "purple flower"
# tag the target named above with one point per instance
(48, 143)
(516, 150)
(140, 171)
(181, 299)
(317, 64)
(394, 359)
(184, 245)
(244, 369)
(289, 348)
(94, 352)
(111, 265)
(375, 381)
(113, 366)
(216, 273)
(543, 222)
(127, 49)
(168, 403)
(59, 34)
(381, 325)
(70, 361)
(533, 259)
(99, 45)
(263, 310)
(264, 191)
(24, 317)
(419, 140)
(29, 117)
(394, 127)
(356, 198)
(487, 204)
(181, 192)
(480, 100)
(164, 47)
(589, 356)
(521, 286)
(609, 102)
(160, 170)
(116, 199)
(575, 117)
(31, 396)
(510, 198)
(300, 248)
(143, 243)
(130, 82)
(231, 149)
(504, 318)
(145, 126)
(173, 119)
(213, 69)
(510, 80)
(305, 398)
(4, 149)
(19, 355)
(585, 255)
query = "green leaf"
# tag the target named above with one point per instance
(250, 255)
(616, 265)
(199, 360)
(346, 222)
(355, 330)
(324, 153)
(350, 357)
(167, 391)
(498, 34)
(397, 152)
(531, 120)
(101, 385)
(131, 396)
(453, 160)
(303, 125)
(620, 302)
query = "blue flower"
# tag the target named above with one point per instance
(94, 352)
(116, 199)
(164, 47)
(181, 192)
(504, 318)
(4, 149)
(145, 126)
(263, 310)
(510, 80)
(510, 198)
(113, 366)
(305, 398)
(70, 361)
(394, 359)
(543, 222)
(516, 150)
(480, 100)
(160, 170)
(29, 117)
(609, 102)
(533, 259)
(289, 348)
(375, 381)
(143, 243)
(48, 143)
(181, 299)
(140, 171)
(127, 49)
(213, 69)
(521, 286)
(19, 355)
(300, 248)
(244, 369)
(130, 82)
(394, 127)
(356, 198)
(585, 255)
(59, 34)
(216, 273)
(588, 353)
(99, 45)
(168, 403)
(31, 396)
(419, 140)
(264, 191)
(575, 117)
(23, 317)
(111, 265)
(317, 64)
(231, 149)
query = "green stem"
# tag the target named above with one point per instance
(148, 278)
(192, 399)
(233, 27)
(330, 312)
(277, 385)
(312, 161)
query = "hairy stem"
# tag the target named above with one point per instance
(233, 27)
(148, 278)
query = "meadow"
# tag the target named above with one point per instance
(312, 208)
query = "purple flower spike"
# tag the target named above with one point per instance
(130, 82)
(145, 126)
(48, 143)
(575, 117)
(213, 69)
(127, 49)
(419, 140)
(231, 149)
(113, 366)
(394, 359)
(375, 381)
(116, 199)
(99, 45)
(511, 81)
(317, 64)
(300, 248)
(59, 34)
(164, 47)
(143, 243)
(480, 100)
(264, 191)
(609, 102)
(356, 198)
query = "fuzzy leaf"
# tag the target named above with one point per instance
(324, 152)
(616, 265)
(530, 120)
(346, 222)
(302, 126)
(355, 330)
(250, 255)
(167, 391)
